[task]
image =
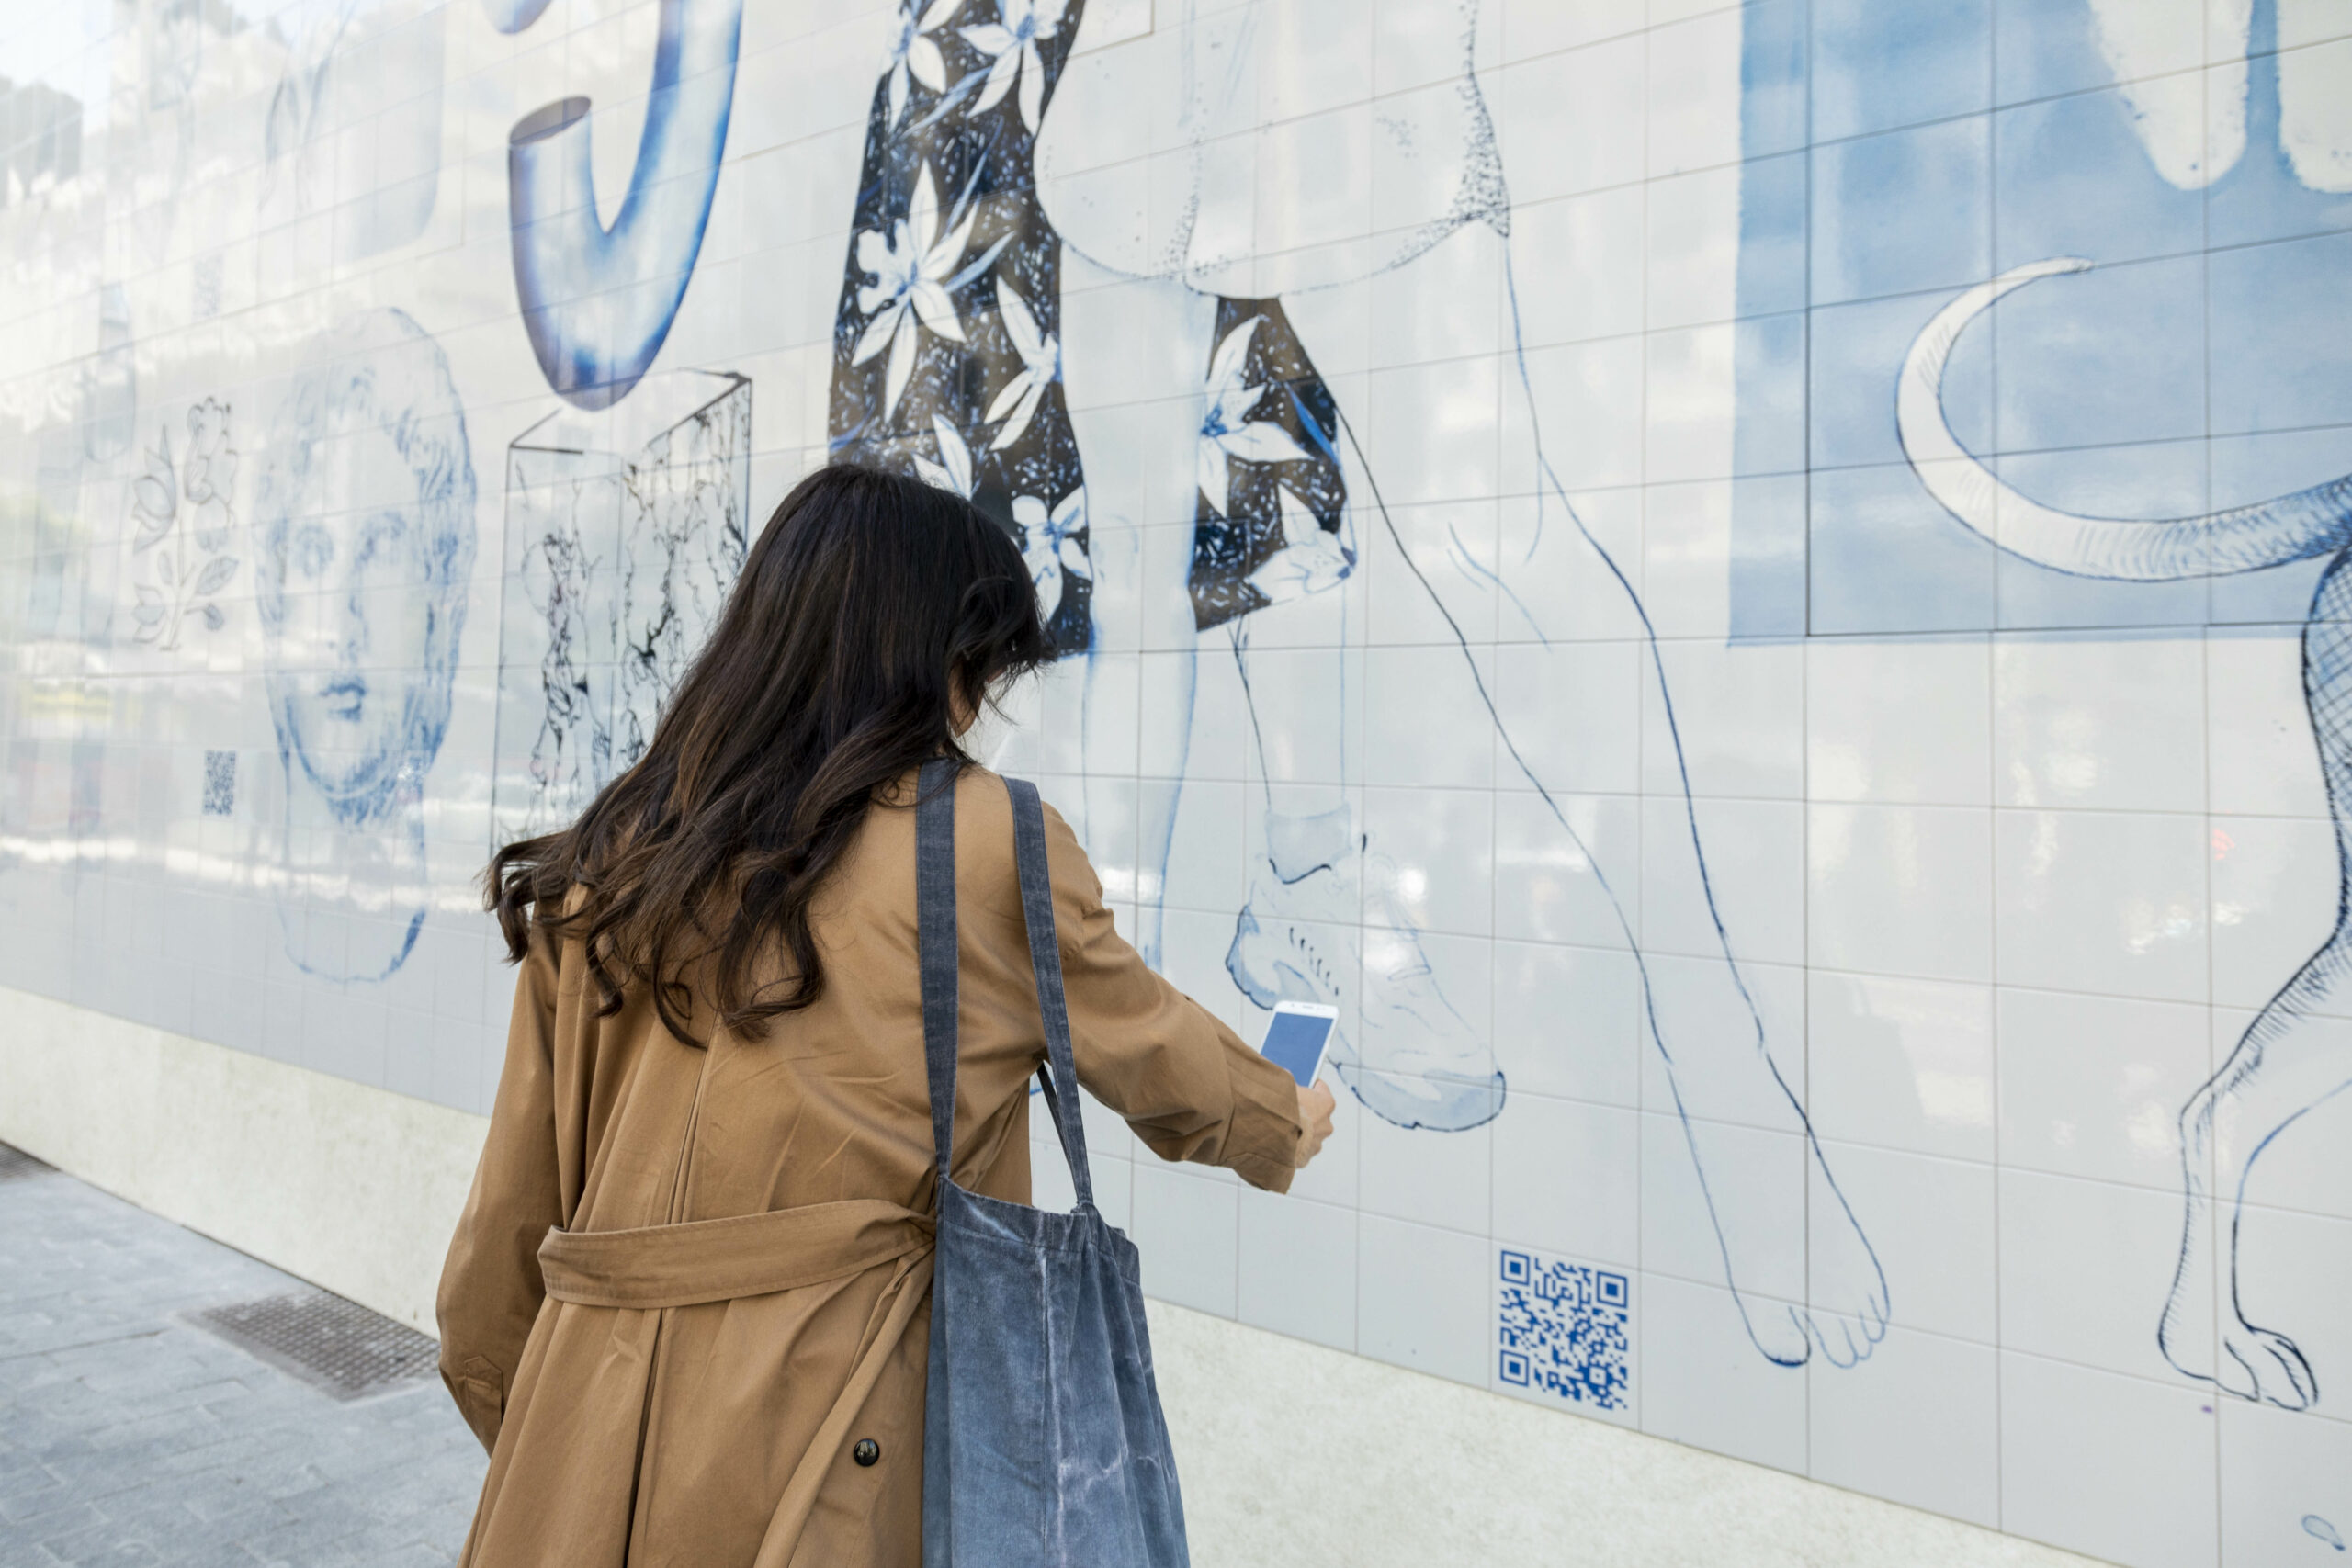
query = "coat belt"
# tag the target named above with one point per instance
(717, 1260)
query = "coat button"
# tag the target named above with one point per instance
(866, 1451)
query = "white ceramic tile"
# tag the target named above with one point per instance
(1430, 1178)
(2276, 889)
(2101, 901)
(1422, 1299)
(1901, 1064)
(1573, 714)
(1902, 890)
(1566, 1178)
(1297, 1271)
(1702, 1382)
(1585, 400)
(1712, 1018)
(2110, 724)
(2308, 1164)
(1577, 265)
(1431, 430)
(1568, 1021)
(2285, 1485)
(1438, 588)
(2094, 1086)
(1566, 120)
(1542, 26)
(2085, 1268)
(1929, 1222)
(1690, 419)
(1753, 883)
(1739, 719)
(1693, 248)
(2116, 1467)
(1756, 1184)
(1918, 1423)
(1204, 861)
(1568, 868)
(1686, 543)
(1440, 848)
(1314, 54)
(1446, 304)
(1695, 73)
(1425, 724)
(1186, 1229)
(1898, 720)
(2260, 758)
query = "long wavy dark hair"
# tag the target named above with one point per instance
(872, 611)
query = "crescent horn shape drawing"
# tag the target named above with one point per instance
(2307, 522)
(597, 301)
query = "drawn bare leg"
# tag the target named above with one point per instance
(1132, 350)
(1704, 1023)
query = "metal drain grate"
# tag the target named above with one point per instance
(330, 1343)
(15, 1162)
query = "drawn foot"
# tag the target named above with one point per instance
(1847, 1315)
(2266, 1368)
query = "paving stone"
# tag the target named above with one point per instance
(130, 1436)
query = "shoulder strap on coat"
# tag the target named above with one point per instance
(1060, 1077)
(936, 943)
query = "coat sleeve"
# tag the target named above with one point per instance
(1185, 1083)
(491, 1287)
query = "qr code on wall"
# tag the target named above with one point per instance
(1561, 1329)
(220, 784)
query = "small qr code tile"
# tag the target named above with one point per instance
(1561, 1329)
(220, 784)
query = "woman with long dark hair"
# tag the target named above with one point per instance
(686, 1306)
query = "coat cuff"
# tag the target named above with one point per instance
(1261, 1141)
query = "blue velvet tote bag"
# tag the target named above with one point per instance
(1042, 1438)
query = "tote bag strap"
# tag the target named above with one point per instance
(936, 945)
(1059, 1075)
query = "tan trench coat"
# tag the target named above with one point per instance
(693, 1397)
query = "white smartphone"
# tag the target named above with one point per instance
(1296, 1036)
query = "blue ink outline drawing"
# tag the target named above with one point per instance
(2294, 1055)
(338, 574)
(924, 414)
(598, 303)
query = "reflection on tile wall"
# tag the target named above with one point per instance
(1749, 592)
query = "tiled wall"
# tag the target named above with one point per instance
(1799, 738)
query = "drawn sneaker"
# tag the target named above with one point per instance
(1293, 940)
(1422, 1064)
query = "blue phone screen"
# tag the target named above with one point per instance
(1295, 1039)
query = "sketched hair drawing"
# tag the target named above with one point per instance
(375, 371)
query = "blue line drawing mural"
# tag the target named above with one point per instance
(625, 530)
(363, 546)
(1273, 475)
(354, 123)
(2296, 1053)
(182, 529)
(597, 303)
(2212, 197)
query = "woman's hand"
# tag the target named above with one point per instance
(1315, 1116)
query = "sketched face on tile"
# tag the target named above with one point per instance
(366, 536)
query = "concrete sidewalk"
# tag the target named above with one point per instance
(129, 1436)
